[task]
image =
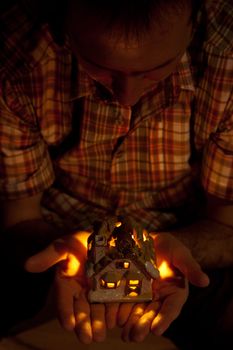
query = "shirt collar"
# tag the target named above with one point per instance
(184, 77)
(81, 84)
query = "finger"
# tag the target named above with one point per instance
(197, 277)
(65, 289)
(111, 311)
(83, 328)
(143, 326)
(74, 244)
(98, 322)
(43, 260)
(123, 313)
(191, 269)
(135, 315)
(169, 311)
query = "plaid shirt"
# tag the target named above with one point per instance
(62, 134)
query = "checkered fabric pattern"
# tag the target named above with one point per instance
(61, 133)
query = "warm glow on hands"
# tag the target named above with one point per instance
(72, 263)
(72, 266)
(70, 251)
(165, 271)
(82, 237)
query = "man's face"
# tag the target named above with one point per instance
(130, 68)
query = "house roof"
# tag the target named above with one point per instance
(125, 247)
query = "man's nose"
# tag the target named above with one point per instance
(128, 89)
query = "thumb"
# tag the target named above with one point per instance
(197, 276)
(45, 259)
(193, 272)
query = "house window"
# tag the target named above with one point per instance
(133, 283)
(133, 287)
(122, 264)
(109, 285)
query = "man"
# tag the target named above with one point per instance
(126, 110)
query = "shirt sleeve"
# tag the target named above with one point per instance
(25, 165)
(217, 168)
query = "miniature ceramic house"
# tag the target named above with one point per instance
(120, 263)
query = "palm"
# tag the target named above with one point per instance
(170, 290)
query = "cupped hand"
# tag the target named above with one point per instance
(89, 321)
(75, 313)
(177, 269)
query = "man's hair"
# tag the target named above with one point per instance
(134, 17)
